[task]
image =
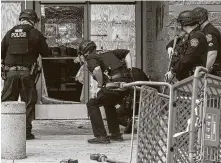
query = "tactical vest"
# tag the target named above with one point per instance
(22, 46)
(110, 62)
(19, 41)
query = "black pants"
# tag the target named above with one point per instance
(108, 99)
(123, 116)
(20, 82)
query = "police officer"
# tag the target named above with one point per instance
(105, 67)
(195, 50)
(20, 49)
(213, 37)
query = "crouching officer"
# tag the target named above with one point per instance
(195, 50)
(20, 49)
(213, 37)
(105, 67)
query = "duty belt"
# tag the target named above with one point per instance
(17, 68)
(116, 76)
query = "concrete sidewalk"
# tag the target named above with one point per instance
(63, 139)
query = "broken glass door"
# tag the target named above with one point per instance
(63, 28)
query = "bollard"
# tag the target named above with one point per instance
(13, 130)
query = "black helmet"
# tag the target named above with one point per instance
(201, 13)
(86, 45)
(187, 18)
(29, 14)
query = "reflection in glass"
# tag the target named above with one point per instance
(63, 28)
(113, 27)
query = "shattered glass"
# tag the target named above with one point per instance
(63, 28)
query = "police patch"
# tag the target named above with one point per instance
(209, 37)
(194, 42)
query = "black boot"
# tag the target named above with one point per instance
(116, 137)
(99, 140)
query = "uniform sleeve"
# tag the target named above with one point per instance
(197, 47)
(4, 46)
(212, 40)
(92, 62)
(44, 50)
(121, 53)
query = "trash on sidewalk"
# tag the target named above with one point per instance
(103, 158)
(69, 161)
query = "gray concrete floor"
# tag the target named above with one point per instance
(63, 139)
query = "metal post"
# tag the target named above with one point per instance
(193, 119)
(193, 116)
(202, 120)
(170, 128)
(13, 130)
(133, 121)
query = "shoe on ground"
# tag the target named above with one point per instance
(117, 137)
(30, 137)
(99, 140)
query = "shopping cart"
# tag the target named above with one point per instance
(182, 127)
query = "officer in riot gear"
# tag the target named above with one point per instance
(213, 37)
(194, 49)
(105, 67)
(20, 49)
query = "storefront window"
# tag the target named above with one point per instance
(113, 27)
(63, 28)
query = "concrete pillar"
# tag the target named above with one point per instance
(13, 130)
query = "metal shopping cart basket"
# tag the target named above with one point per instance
(182, 127)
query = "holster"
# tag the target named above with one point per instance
(127, 102)
(35, 71)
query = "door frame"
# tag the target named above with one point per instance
(79, 111)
